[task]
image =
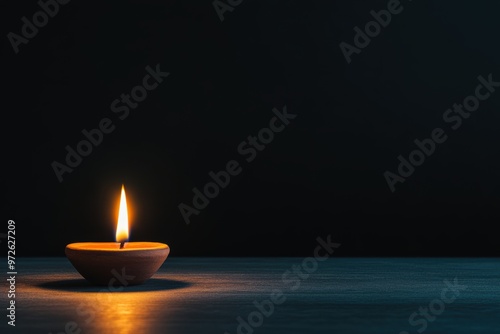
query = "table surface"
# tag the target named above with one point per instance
(207, 295)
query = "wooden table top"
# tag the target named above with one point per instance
(209, 295)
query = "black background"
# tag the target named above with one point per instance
(323, 175)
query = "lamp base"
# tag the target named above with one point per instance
(104, 263)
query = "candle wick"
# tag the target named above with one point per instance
(122, 244)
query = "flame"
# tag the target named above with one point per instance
(122, 227)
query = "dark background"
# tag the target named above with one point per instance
(323, 175)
